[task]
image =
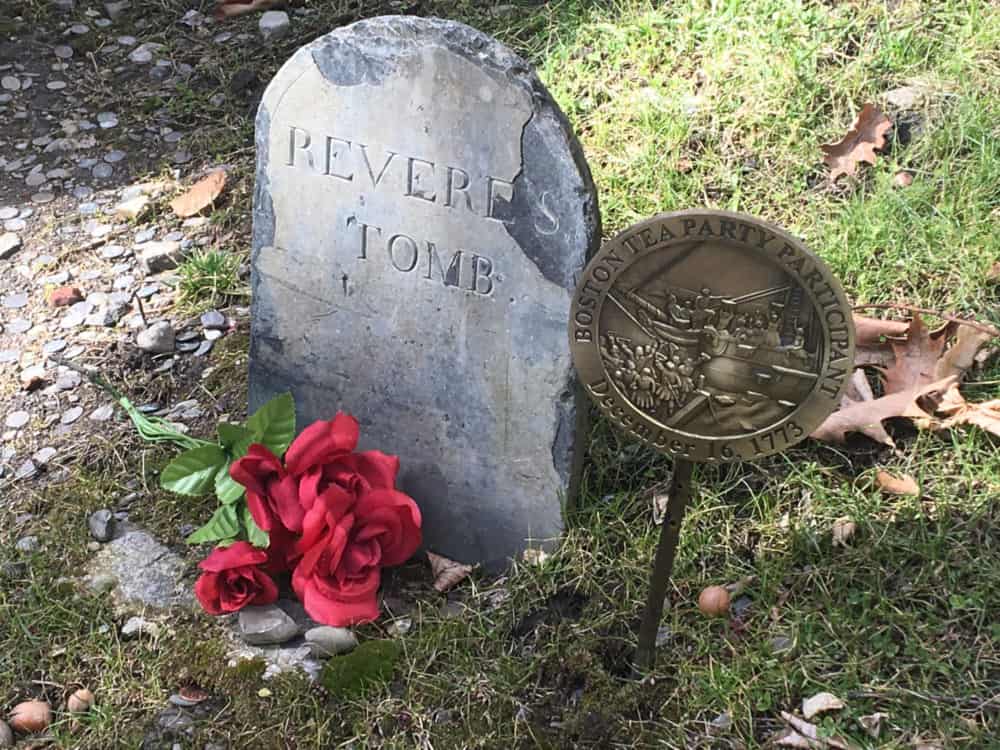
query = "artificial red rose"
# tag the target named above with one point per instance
(281, 554)
(272, 494)
(323, 456)
(344, 547)
(233, 579)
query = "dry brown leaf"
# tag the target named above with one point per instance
(871, 340)
(893, 485)
(858, 413)
(447, 573)
(993, 275)
(229, 8)
(820, 703)
(916, 380)
(201, 195)
(843, 529)
(916, 357)
(802, 734)
(865, 136)
(949, 403)
(962, 354)
(872, 723)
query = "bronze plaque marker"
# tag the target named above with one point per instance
(711, 335)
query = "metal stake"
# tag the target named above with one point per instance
(680, 496)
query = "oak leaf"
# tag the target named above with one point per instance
(861, 412)
(949, 404)
(201, 195)
(916, 357)
(919, 375)
(872, 345)
(890, 484)
(865, 136)
(447, 573)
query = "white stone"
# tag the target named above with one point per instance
(133, 208)
(160, 256)
(327, 641)
(265, 625)
(274, 24)
(10, 243)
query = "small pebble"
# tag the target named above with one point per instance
(44, 455)
(102, 525)
(54, 346)
(102, 413)
(17, 419)
(15, 301)
(136, 626)
(27, 544)
(71, 415)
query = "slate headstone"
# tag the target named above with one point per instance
(421, 211)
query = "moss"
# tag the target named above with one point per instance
(372, 663)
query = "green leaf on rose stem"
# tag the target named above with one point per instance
(232, 434)
(224, 524)
(255, 534)
(227, 489)
(193, 472)
(274, 423)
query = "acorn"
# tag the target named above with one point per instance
(714, 601)
(6, 735)
(902, 179)
(30, 717)
(80, 702)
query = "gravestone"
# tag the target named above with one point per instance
(421, 211)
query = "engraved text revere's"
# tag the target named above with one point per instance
(421, 210)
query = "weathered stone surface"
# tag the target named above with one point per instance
(274, 24)
(147, 573)
(161, 256)
(261, 626)
(10, 243)
(102, 524)
(421, 210)
(159, 338)
(326, 641)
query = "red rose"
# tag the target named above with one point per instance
(321, 457)
(232, 579)
(272, 495)
(344, 547)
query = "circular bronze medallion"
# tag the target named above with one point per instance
(712, 335)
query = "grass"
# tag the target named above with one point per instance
(720, 104)
(210, 278)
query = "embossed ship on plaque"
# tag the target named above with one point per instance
(712, 336)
